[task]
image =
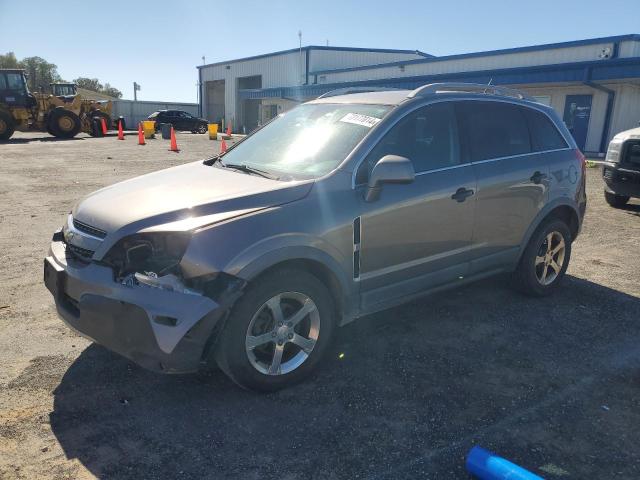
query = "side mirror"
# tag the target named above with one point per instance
(389, 169)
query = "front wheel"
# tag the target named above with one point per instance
(64, 123)
(202, 128)
(7, 125)
(545, 259)
(616, 201)
(277, 332)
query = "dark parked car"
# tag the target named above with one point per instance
(621, 169)
(341, 207)
(180, 120)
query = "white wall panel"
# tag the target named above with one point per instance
(334, 59)
(627, 109)
(490, 62)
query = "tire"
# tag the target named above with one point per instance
(107, 118)
(540, 271)
(616, 201)
(251, 364)
(202, 128)
(64, 123)
(7, 125)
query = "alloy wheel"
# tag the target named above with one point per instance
(550, 258)
(282, 333)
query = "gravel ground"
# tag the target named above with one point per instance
(551, 384)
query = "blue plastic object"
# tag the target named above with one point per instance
(488, 466)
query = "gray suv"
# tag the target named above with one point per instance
(346, 205)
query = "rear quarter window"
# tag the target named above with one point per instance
(494, 130)
(544, 134)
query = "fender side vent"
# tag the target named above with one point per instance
(356, 247)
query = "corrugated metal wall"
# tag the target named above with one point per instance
(626, 112)
(334, 59)
(277, 71)
(469, 64)
(135, 112)
(289, 69)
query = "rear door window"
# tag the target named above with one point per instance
(3, 82)
(544, 134)
(494, 130)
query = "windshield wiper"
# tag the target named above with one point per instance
(213, 160)
(247, 169)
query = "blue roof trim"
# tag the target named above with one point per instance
(315, 47)
(490, 53)
(601, 70)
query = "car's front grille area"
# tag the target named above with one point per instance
(80, 253)
(89, 230)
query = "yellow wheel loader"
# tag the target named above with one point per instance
(25, 111)
(89, 109)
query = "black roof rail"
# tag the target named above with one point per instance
(470, 88)
(348, 90)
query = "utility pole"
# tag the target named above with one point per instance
(136, 87)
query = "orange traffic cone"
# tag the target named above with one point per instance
(223, 146)
(140, 135)
(120, 132)
(229, 129)
(104, 126)
(174, 143)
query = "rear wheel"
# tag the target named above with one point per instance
(64, 123)
(545, 260)
(202, 128)
(7, 125)
(616, 201)
(277, 332)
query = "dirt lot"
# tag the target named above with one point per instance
(552, 384)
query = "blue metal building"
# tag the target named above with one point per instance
(594, 84)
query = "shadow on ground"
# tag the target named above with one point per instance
(551, 384)
(21, 140)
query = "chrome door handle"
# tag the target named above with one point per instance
(538, 177)
(461, 194)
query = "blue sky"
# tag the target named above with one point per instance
(158, 43)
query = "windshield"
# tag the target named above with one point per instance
(308, 141)
(64, 90)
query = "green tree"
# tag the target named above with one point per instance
(40, 73)
(111, 91)
(9, 60)
(92, 84)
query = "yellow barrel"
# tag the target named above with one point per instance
(213, 131)
(149, 128)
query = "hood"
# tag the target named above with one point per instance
(634, 133)
(188, 191)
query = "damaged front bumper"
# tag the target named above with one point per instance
(161, 329)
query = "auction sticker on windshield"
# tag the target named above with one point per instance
(358, 119)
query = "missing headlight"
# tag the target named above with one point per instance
(159, 253)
